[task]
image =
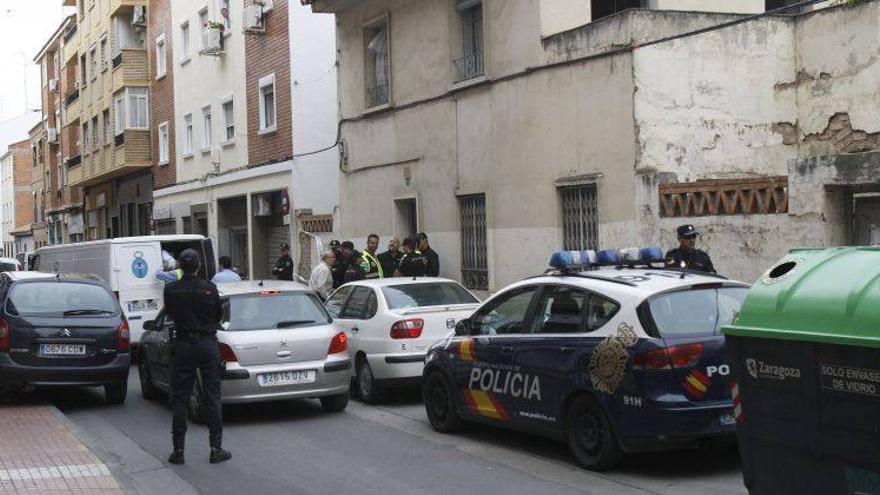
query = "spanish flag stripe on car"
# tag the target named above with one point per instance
(485, 404)
(466, 350)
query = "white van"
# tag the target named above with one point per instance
(128, 265)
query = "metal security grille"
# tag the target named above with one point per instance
(580, 217)
(474, 266)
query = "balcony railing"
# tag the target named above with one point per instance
(119, 140)
(73, 161)
(377, 96)
(70, 33)
(117, 60)
(469, 67)
(71, 97)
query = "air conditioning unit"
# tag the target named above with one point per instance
(253, 18)
(139, 16)
(53, 85)
(266, 4)
(52, 135)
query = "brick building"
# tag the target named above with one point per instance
(159, 27)
(17, 202)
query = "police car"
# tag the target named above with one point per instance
(602, 351)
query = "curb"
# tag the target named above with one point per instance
(136, 471)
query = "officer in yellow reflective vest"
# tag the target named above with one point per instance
(170, 272)
(369, 263)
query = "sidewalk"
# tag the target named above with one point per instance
(38, 454)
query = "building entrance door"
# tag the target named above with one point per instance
(866, 220)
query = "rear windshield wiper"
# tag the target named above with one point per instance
(83, 312)
(293, 323)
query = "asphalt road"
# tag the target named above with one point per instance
(294, 447)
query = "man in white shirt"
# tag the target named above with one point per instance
(226, 274)
(321, 280)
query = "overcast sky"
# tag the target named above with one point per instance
(25, 25)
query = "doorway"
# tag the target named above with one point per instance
(866, 219)
(406, 216)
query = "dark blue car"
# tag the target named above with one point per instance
(610, 361)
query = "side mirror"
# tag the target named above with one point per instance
(150, 325)
(463, 327)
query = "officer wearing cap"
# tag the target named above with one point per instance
(337, 271)
(284, 266)
(686, 255)
(194, 306)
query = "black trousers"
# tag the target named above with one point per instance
(193, 357)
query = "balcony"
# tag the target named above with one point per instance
(469, 67)
(130, 68)
(72, 107)
(71, 45)
(131, 155)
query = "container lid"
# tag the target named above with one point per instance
(817, 295)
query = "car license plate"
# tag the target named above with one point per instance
(143, 305)
(726, 419)
(62, 349)
(279, 378)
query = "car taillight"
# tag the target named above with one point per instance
(407, 329)
(4, 336)
(338, 344)
(677, 356)
(124, 336)
(227, 354)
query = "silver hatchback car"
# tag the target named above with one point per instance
(277, 342)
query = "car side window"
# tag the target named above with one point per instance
(600, 311)
(562, 309)
(357, 304)
(506, 314)
(372, 305)
(337, 300)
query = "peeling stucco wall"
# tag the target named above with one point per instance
(762, 98)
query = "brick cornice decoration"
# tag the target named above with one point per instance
(758, 196)
(317, 223)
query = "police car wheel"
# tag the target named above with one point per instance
(369, 389)
(589, 435)
(148, 388)
(439, 403)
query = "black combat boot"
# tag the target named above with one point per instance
(219, 455)
(176, 457)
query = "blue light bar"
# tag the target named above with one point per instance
(608, 257)
(572, 259)
(651, 254)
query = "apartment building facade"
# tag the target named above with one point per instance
(507, 129)
(232, 120)
(15, 193)
(113, 72)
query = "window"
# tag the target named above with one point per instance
(356, 307)
(107, 134)
(160, 57)
(93, 56)
(605, 8)
(138, 102)
(203, 22)
(163, 143)
(95, 141)
(119, 108)
(105, 54)
(84, 70)
(778, 4)
(229, 117)
(580, 222)
(377, 70)
(187, 134)
(471, 63)
(564, 309)
(267, 103)
(185, 41)
(474, 264)
(423, 295)
(337, 301)
(55, 299)
(206, 128)
(85, 134)
(288, 310)
(226, 16)
(506, 314)
(695, 312)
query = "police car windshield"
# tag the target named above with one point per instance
(697, 311)
(430, 294)
(60, 298)
(284, 310)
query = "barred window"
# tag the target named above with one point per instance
(580, 217)
(474, 265)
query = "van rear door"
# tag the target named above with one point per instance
(140, 293)
(208, 258)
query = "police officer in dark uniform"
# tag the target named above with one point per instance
(413, 263)
(337, 270)
(687, 256)
(284, 266)
(194, 306)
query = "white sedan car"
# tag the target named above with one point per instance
(391, 323)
